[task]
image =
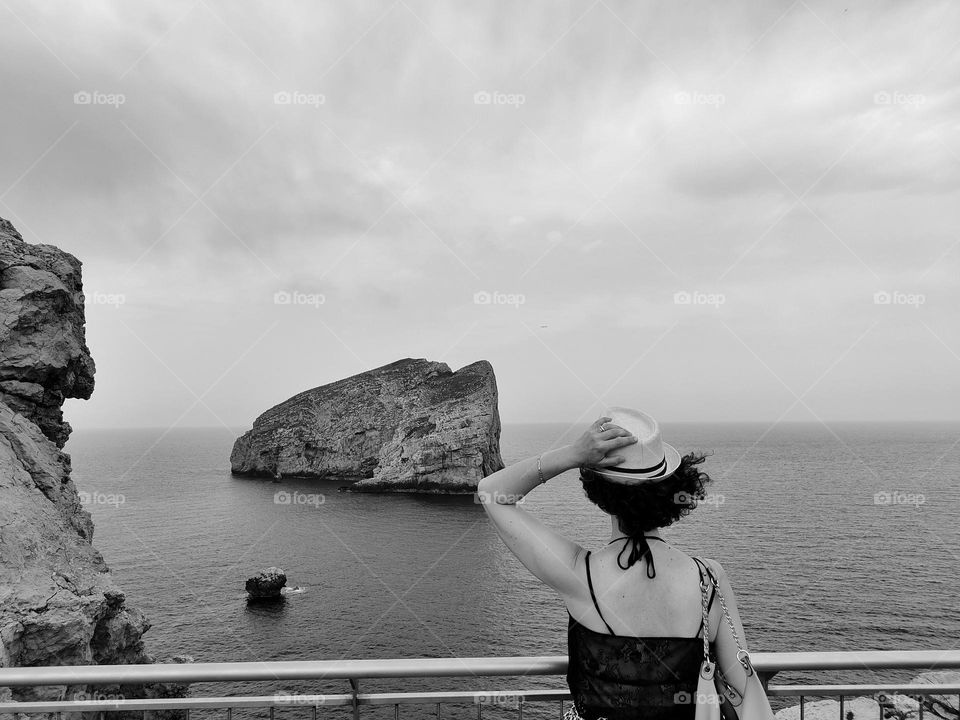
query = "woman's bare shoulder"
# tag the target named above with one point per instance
(714, 565)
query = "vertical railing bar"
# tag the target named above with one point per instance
(841, 708)
(438, 711)
(271, 712)
(229, 713)
(519, 707)
(396, 711)
(479, 709)
(355, 685)
(801, 707)
(920, 706)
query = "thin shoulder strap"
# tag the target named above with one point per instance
(704, 570)
(590, 585)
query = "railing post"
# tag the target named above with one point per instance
(841, 708)
(765, 677)
(355, 686)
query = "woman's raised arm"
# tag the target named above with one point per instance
(544, 552)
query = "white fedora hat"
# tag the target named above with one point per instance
(647, 460)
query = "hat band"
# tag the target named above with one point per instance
(661, 466)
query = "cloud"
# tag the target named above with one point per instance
(788, 155)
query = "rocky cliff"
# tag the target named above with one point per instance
(410, 426)
(58, 603)
(43, 356)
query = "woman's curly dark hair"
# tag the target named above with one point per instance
(641, 508)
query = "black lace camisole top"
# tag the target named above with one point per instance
(622, 677)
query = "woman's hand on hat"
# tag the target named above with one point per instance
(595, 448)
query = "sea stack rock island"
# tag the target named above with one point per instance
(410, 426)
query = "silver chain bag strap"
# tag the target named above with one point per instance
(729, 697)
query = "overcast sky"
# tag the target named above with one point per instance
(684, 207)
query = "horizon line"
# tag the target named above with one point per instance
(561, 422)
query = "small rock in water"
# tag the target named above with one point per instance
(267, 585)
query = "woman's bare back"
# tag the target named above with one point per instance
(667, 605)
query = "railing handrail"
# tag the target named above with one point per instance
(768, 663)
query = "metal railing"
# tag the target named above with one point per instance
(767, 665)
